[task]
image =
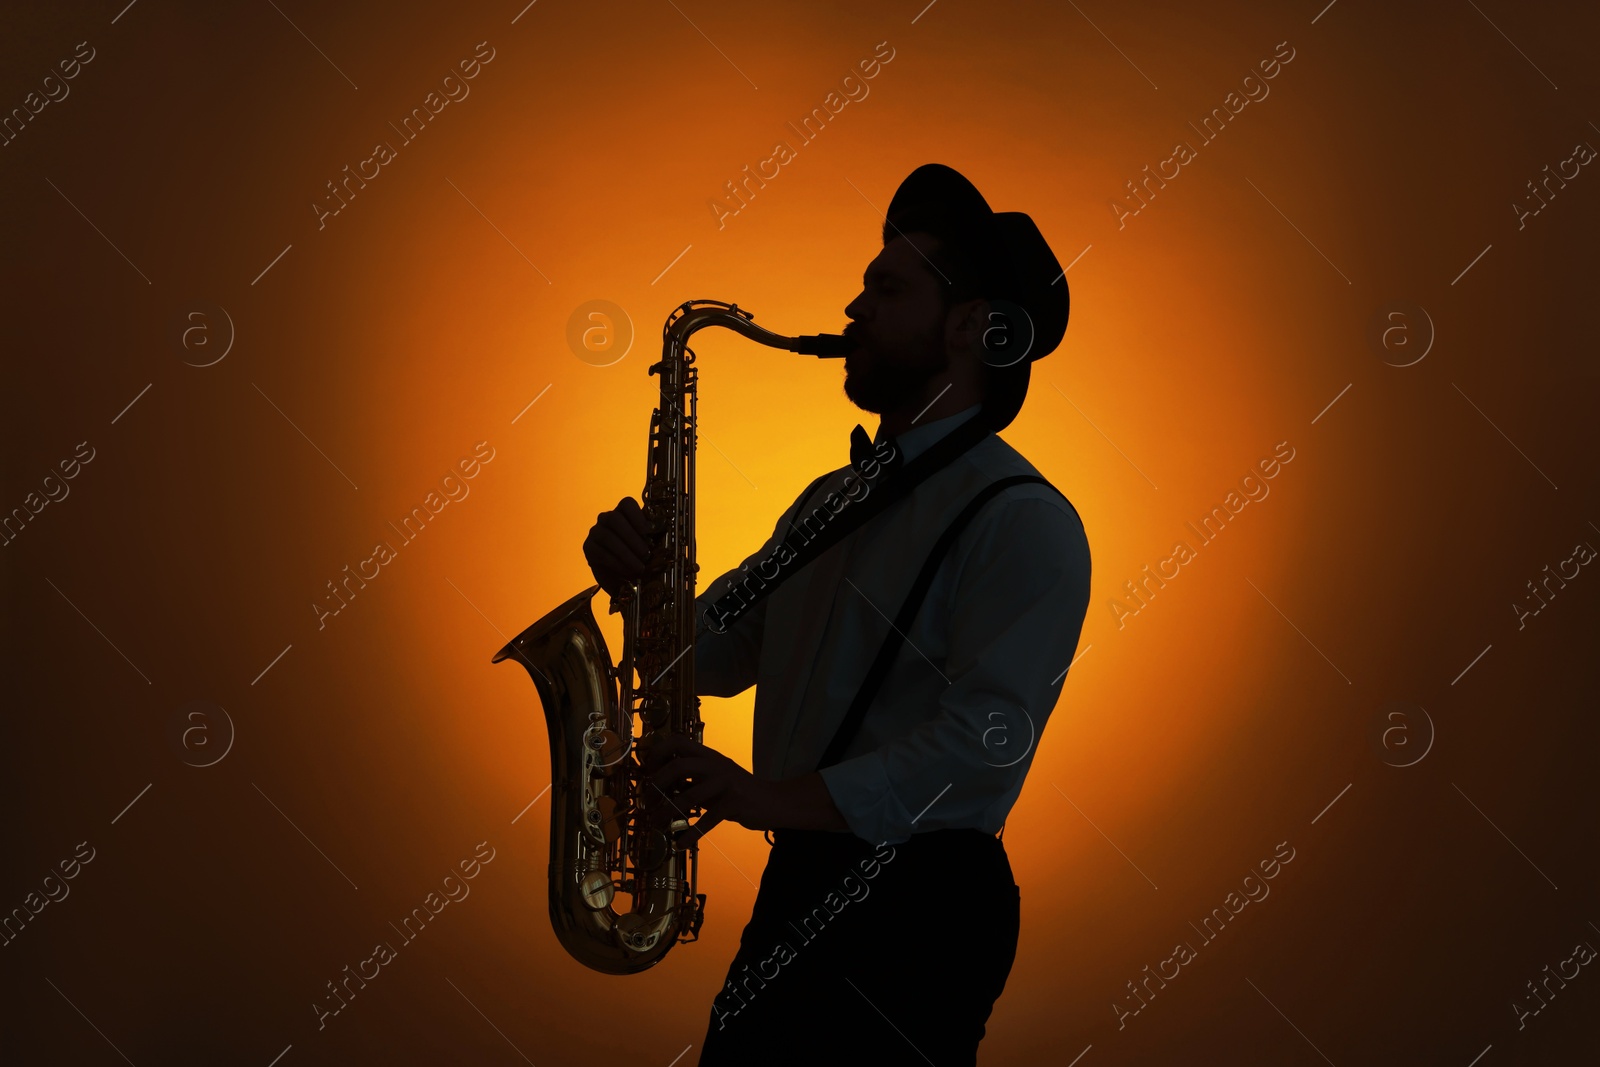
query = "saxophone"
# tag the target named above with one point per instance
(606, 838)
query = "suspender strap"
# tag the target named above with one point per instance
(908, 613)
(898, 479)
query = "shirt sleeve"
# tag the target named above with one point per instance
(1021, 596)
(726, 664)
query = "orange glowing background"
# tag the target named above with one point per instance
(1243, 706)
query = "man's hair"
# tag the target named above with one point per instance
(955, 266)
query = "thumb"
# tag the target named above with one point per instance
(702, 826)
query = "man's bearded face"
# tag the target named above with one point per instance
(898, 325)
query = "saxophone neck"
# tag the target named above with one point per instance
(694, 315)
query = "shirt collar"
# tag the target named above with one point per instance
(919, 438)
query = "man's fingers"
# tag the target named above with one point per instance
(607, 548)
(701, 828)
(635, 514)
(682, 745)
(658, 748)
(607, 567)
(685, 802)
(702, 794)
(627, 533)
(655, 749)
(618, 547)
(681, 767)
(610, 576)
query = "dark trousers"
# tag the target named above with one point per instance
(857, 954)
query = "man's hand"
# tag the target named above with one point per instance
(687, 774)
(616, 548)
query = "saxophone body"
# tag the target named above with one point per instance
(607, 840)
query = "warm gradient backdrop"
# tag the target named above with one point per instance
(165, 202)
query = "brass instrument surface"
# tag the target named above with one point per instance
(606, 837)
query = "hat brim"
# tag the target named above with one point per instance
(1010, 253)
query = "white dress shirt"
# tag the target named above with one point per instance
(952, 730)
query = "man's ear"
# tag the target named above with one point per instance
(965, 326)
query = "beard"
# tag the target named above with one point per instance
(881, 380)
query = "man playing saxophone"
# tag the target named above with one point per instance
(902, 675)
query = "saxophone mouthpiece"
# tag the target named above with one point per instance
(825, 345)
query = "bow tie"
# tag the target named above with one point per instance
(860, 446)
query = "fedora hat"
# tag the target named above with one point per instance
(1000, 256)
